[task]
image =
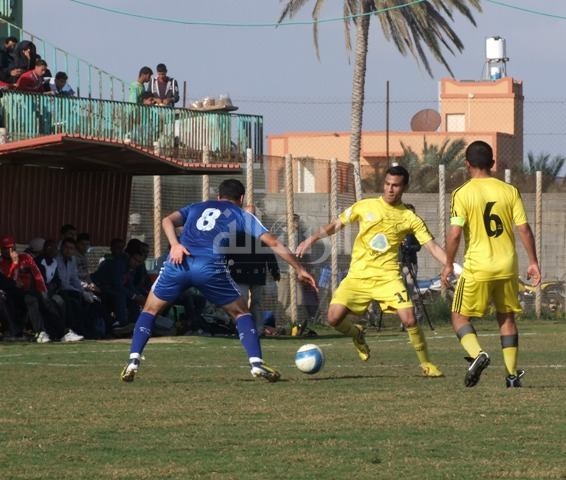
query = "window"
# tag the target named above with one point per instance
(455, 122)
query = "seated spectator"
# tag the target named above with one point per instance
(35, 246)
(83, 246)
(137, 87)
(75, 296)
(32, 81)
(24, 288)
(115, 279)
(54, 303)
(66, 231)
(164, 88)
(58, 85)
(117, 246)
(23, 60)
(142, 279)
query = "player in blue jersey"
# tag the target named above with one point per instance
(198, 259)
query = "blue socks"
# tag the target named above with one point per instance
(245, 325)
(142, 333)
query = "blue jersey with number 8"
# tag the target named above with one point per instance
(209, 232)
(210, 227)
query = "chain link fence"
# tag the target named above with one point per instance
(316, 190)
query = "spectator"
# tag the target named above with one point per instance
(117, 246)
(138, 87)
(47, 74)
(32, 80)
(58, 85)
(23, 60)
(249, 271)
(147, 98)
(72, 291)
(66, 231)
(83, 246)
(7, 57)
(24, 287)
(35, 246)
(115, 279)
(164, 88)
(55, 305)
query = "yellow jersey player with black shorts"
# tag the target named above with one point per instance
(374, 273)
(485, 211)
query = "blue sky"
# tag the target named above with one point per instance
(274, 71)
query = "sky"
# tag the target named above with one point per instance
(273, 71)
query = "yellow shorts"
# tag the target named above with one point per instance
(472, 298)
(357, 293)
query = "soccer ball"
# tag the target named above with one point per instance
(309, 358)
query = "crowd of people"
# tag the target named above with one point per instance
(160, 89)
(22, 69)
(48, 292)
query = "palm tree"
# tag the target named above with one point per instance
(411, 26)
(424, 168)
(550, 167)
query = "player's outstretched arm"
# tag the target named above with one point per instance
(286, 254)
(326, 231)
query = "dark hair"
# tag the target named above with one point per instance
(398, 171)
(231, 189)
(83, 236)
(10, 39)
(40, 62)
(61, 76)
(479, 154)
(134, 247)
(66, 228)
(145, 71)
(117, 241)
(145, 95)
(161, 68)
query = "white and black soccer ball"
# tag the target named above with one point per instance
(309, 358)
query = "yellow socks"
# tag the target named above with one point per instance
(347, 328)
(419, 343)
(469, 340)
(510, 350)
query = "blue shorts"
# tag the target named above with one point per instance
(213, 280)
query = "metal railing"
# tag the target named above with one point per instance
(86, 79)
(171, 132)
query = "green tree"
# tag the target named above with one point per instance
(424, 167)
(413, 27)
(550, 167)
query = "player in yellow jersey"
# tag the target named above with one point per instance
(374, 272)
(484, 210)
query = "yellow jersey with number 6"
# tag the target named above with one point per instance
(487, 209)
(382, 228)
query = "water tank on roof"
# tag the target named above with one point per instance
(495, 49)
(495, 58)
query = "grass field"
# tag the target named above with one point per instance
(195, 412)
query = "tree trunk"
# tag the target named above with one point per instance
(358, 91)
